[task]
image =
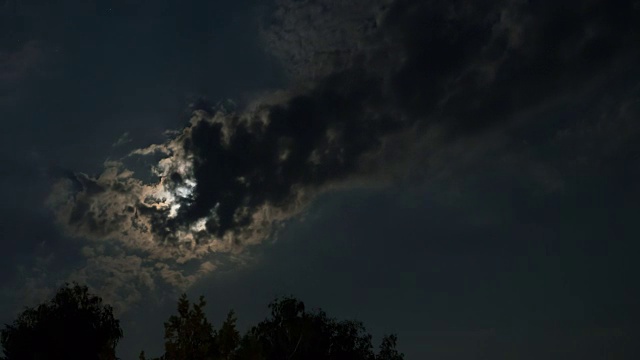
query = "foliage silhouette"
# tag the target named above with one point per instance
(388, 349)
(189, 335)
(228, 338)
(290, 333)
(73, 325)
(76, 325)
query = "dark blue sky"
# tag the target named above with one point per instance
(463, 175)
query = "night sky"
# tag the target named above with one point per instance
(461, 173)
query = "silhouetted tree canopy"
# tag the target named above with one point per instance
(289, 333)
(76, 325)
(73, 325)
(189, 335)
(228, 338)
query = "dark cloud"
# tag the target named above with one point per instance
(472, 66)
(308, 141)
(318, 38)
(372, 86)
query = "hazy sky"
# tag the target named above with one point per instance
(462, 174)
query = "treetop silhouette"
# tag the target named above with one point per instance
(73, 325)
(289, 333)
(77, 325)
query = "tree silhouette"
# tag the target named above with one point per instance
(76, 325)
(73, 325)
(290, 333)
(227, 338)
(293, 333)
(189, 335)
(388, 349)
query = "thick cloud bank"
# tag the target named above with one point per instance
(366, 78)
